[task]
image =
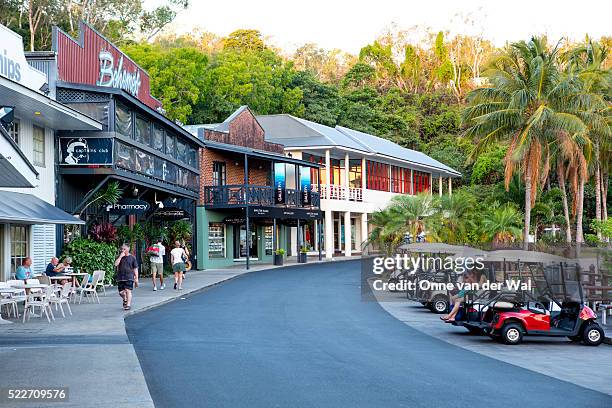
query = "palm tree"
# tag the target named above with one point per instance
(526, 105)
(501, 224)
(454, 217)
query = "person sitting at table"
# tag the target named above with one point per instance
(54, 268)
(24, 271)
(67, 264)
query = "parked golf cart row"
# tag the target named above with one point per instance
(553, 306)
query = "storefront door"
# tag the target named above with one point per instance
(240, 242)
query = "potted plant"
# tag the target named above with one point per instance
(278, 256)
(303, 255)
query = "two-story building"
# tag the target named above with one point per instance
(253, 198)
(361, 173)
(29, 121)
(153, 159)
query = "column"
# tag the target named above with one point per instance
(339, 243)
(450, 186)
(346, 176)
(440, 185)
(329, 234)
(430, 183)
(363, 174)
(347, 233)
(327, 173)
(364, 228)
(411, 182)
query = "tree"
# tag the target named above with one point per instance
(453, 219)
(244, 40)
(501, 224)
(528, 104)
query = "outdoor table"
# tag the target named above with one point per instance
(10, 291)
(74, 277)
(29, 286)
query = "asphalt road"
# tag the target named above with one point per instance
(302, 337)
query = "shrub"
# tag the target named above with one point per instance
(89, 255)
(104, 232)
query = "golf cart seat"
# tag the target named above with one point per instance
(501, 305)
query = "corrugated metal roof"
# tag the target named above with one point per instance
(386, 147)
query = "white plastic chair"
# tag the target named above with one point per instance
(62, 298)
(41, 300)
(34, 282)
(7, 300)
(90, 288)
(101, 281)
(75, 291)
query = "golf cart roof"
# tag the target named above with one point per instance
(524, 256)
(440, 247)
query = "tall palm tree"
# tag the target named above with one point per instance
(526, 105)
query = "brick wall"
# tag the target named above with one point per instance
(258, 169)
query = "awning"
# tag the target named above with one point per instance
(43, 110)
(29, 209)
(15, 169)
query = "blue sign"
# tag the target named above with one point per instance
(279, 183)
(305, 185)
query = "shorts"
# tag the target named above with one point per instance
(178, 267)
(123, 285)
(157, 268)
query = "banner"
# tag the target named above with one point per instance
(279, 183)
(305, 185)
(86, 151)
(128, 206)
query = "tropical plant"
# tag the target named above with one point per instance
(89, 255)
(528, 104)
(501, 224)
(453, 219)
(108, 195)
(130, 234)
(180, 231)
(104, 232)
(152, 232)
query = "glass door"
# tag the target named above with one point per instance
(240, 242)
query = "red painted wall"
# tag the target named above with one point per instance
(78, 61)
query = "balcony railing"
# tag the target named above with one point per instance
(238, 195)
(338, 192)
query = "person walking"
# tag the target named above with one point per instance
(127, 275)
(178, 257)
(157, 265)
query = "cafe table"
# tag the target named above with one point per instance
(10, 291)
(74, 277)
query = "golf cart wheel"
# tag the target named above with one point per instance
(439, 305)
(592, 335)
(575, 339)
(512, 333)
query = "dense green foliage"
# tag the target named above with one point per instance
(89, 255)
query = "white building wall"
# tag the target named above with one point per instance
(41, 237)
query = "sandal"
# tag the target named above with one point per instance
(126, 308)
(443, 318)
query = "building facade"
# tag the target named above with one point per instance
(30, 118)
(361, 174)
(253, 199)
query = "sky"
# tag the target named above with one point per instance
(349, 25)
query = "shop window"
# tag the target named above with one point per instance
(193, 157)
(143, 131)
(38, 158)
(123, 120)
(158, 138)
(171, 173)
(13, 130)
(125, 156)
(219, 174)
(170, 145)
(144, 163)
(181, 151)
(19, 245)
(268, 232)
(159, 168)
(97, 111)
(216, 240)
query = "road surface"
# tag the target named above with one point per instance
(302, 337)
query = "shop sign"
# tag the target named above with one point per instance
(119, 77)
(86, 151)
(279, 183)
(284, 213)
(234, 220)
(128, 206)
(171, 213)
(305, 185)
(13, 64)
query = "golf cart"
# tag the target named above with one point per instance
(554, 306)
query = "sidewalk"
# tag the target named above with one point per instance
(588, 367)
(89, 352)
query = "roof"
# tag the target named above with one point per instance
(295, 132)
(222, 127)
(257, 153)
(29, 209)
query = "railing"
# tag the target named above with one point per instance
(338, 192)
(239, 194)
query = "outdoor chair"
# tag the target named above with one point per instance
(19, 297)
(41, 300)
(7, 300)
(62, 298)
(34, 282)
(76, 290)
(89, 288)
(101, 281)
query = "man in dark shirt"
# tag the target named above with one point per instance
(54, 268)
(127, 274)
